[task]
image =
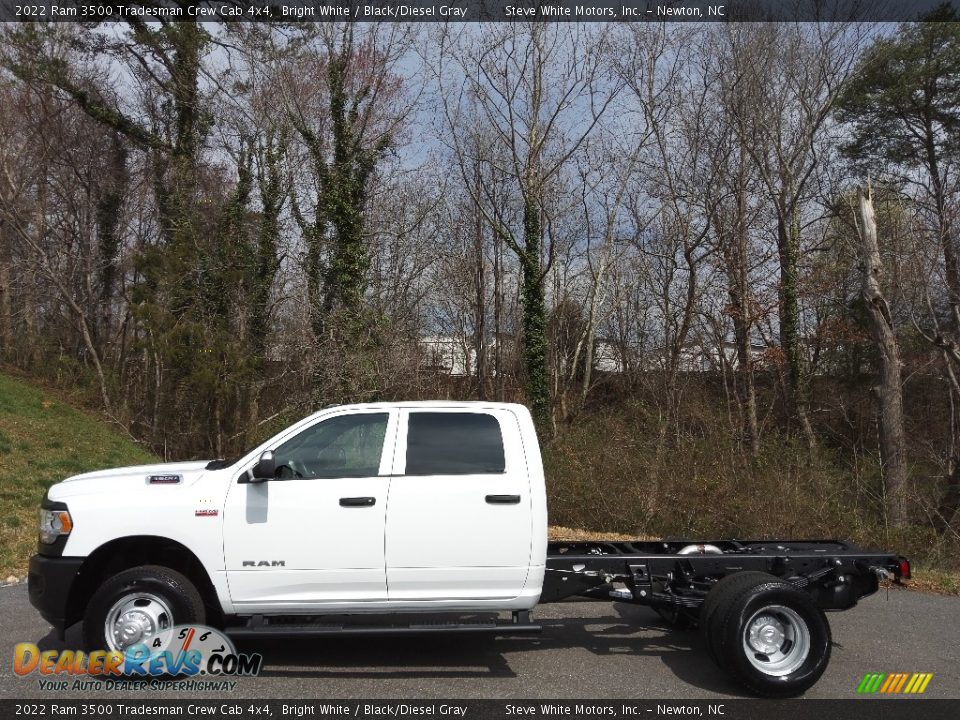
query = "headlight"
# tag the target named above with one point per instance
(53, 524)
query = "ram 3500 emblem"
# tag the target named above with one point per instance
(164, 479)
(264, 563)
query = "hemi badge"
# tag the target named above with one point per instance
(164, 479)
(206, 513)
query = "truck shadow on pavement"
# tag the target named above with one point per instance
(618, 630)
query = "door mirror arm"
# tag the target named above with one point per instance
(263, 471)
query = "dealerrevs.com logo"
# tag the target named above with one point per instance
(894, 683)
(183, 651)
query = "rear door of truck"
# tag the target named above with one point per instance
(459, 506)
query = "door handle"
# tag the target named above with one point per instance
(358, 502)
(503, 499)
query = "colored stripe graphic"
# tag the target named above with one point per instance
(903, 681)
(867, 684)
(894, 683)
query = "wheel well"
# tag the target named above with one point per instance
(129, 552)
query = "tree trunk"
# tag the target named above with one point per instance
(888, 393)
(739, 310)
(535, 319)
(6, 306)
(108, 210)
(498, 369)
(950, 500)
(591, 338)
(734, 242)
(797, 383)
(480, 309)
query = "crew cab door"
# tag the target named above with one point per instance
(459, 512)
(314, 534)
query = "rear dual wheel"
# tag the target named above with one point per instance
(766, 634)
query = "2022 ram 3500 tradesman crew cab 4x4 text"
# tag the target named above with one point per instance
(405, 518)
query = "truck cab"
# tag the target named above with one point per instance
(390, 507)
(358, 508)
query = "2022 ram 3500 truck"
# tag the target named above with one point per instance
(407, 517)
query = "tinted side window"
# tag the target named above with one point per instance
(454, 444)
(343, 446)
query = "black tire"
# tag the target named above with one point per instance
(726, 586)
(729, 624)
(179, 594)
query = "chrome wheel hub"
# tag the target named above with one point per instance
(776, 640)
(136, 618)
(766, 634)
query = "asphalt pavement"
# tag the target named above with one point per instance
(587, 650)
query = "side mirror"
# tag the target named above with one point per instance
(264, 469)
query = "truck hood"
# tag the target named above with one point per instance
(134, 476)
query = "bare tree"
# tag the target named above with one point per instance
(904, 110)
(783, 83)
(46, 220)
(607, 179)
(537, 90)
(888, 393)
(735, 221)
(675, 98)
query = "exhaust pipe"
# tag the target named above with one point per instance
(700, 549)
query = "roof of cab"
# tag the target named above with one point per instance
(471, 404)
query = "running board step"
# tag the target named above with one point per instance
(261, 626)
(287, 630)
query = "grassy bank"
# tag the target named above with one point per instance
(42, 441)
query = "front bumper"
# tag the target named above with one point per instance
(49, 582)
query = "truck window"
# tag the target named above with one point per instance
(343, 446)
(454, 444)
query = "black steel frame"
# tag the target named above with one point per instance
(837, 574)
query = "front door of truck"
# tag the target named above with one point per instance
(459, 519)
(314, 534)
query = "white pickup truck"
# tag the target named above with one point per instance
(405, 518)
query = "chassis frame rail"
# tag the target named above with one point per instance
(678, 574)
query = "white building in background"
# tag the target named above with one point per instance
(607, 357)
(694, 357)
(456, 356)
(699, 357)
(448, 354)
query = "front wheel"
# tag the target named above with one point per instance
(771, 638)
(138, 606)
